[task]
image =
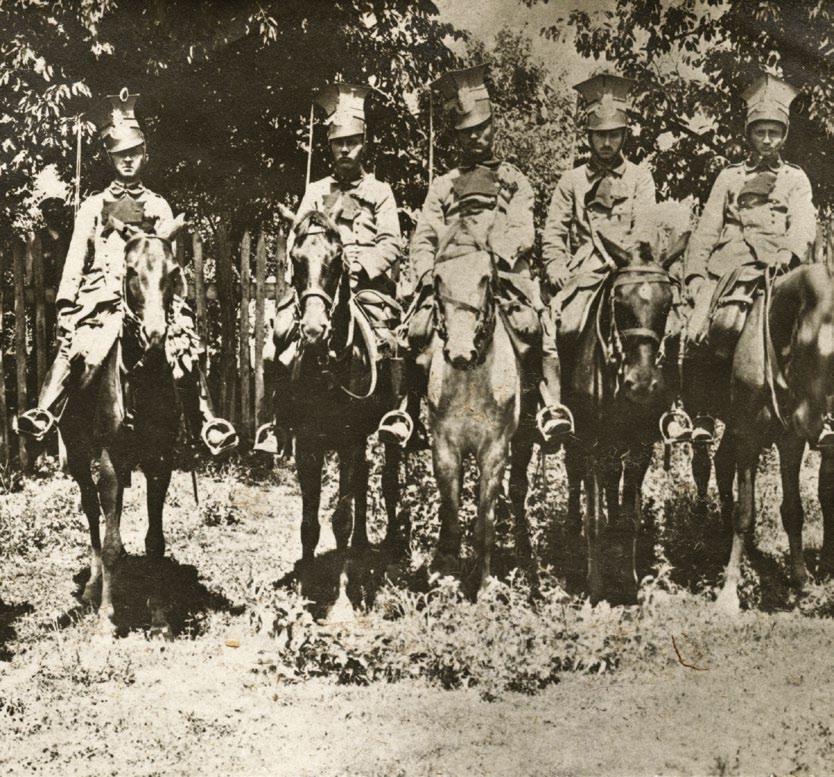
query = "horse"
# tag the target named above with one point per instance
(336, 395)
(774, 390)
(94, 424)
(617, 383)
(475, 399)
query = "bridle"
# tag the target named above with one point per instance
(485, 313)
(130, 318)
(612, 345)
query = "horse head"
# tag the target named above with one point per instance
(152, 277)
(317, 270)
(641, 298)
(465, 281)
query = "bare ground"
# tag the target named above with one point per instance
(701, 696)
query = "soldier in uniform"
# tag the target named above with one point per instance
(89, 298)
(500, 198)
(760, 211)
(365, 212)
(609, 195)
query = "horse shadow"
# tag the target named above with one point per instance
(366, 571)
(9, 613)
(156, 595)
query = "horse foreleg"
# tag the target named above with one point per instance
(612, 475)
(575, 470)
(110, 492)
(746, 463)
(825, 491)
(342, 518)
(701, 470)
(359, 488)
(522, 451)
(309, 457)
(79, 468)
(593, 531)
(158, 483)
(491, 465)
(725, 476)
(448, 474)
(398, 533)
(635, 469)
(791, 449)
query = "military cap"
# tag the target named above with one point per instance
(769, 99)
(344, 105)
(117, 123)
(465, 96)
(606, 100)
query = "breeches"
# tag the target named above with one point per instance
(699, 318)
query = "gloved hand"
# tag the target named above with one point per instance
(556, 276)
(692, 288)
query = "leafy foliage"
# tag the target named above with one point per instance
(226, 90)
(694, 58)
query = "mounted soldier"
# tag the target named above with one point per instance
(609, 195)
(89, 304)
(364, 211)
(496, 200)
(759, 213)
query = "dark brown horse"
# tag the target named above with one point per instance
(93, 423)
(336, 398)
(774, 390)
(617, 383)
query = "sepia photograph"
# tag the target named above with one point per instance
(417, 388)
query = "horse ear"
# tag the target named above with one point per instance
(676, 248)
(286, 214)
(618, 253)
(126, 231)
(168, 229)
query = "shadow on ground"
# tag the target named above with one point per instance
(157, 594)
(9, 613)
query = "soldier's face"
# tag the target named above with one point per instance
(129, 163)
(476, 142)
(606, 144)
(347, 155)
(767, 137)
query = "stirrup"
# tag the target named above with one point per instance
(701, 436)
(826, 438)
(266, 440)
(563, 418)
(37, 423)
(387, 431)
(675, 427)
(228, 441)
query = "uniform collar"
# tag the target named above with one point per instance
(491, 163)
(596, 170)
(754, 163)
(117, 189)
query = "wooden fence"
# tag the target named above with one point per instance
(231, 294)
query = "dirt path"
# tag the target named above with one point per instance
(759, 703)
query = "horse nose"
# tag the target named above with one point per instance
(460, 359)
(154, 334)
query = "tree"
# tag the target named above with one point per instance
(226, 91)
(694, 58)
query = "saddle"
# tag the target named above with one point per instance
(730, 306)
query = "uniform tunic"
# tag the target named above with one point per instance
(725, 222)
(616, 201)
(505, 219)
(755, 211)
(365, 213)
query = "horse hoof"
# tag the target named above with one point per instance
(155, 549)
(105, 630)
(728, 603)
(92, 592)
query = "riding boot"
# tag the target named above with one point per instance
(554, 420)
(39, 421)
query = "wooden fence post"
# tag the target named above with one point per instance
(228, 322)
(34, 248)
(19, 254)
(243, 343)
(5, 455)
(260, 296)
